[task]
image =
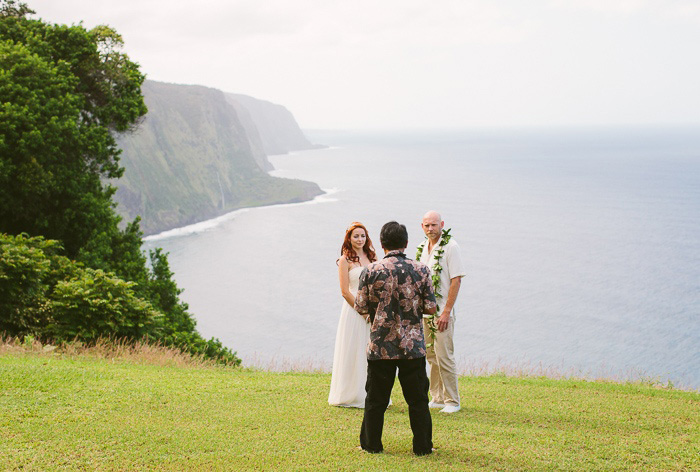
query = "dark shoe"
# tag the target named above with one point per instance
(425, 453)
(359, 448)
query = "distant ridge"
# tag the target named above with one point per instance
(278, 130)
(198, 155)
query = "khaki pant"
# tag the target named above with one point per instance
(443, 368)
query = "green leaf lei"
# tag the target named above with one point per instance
(436, 269)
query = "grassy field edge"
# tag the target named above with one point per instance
(75, 412)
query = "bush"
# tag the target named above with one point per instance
(94, 304)
(46, 295)
(25, 274)
(66, 92)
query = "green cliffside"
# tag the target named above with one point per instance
(196, 156)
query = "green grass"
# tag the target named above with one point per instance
(86, 413)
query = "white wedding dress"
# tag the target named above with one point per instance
(350, 355)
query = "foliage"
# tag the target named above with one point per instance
(164, 293)
(93, 304)
(66, 92)
(24, 270)
(12, 8)
(45, 294)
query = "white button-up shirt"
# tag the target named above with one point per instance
(451, 262)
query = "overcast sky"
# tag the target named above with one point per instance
(410, 63)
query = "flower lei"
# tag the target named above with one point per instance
(436, 269)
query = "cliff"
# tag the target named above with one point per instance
(277, 128)
(196, 156)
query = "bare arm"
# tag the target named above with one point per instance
(344, 278)
(444, 320)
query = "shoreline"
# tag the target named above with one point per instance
(211, 223)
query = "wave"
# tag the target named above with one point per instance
(210, 224)
(196, 227)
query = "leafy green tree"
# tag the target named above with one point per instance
(46, 294)
(65, 91)
(12, 8)
(165, 295)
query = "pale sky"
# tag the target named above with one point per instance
(421, 64)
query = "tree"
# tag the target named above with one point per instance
(65, 92)
(12, 8)
(46, 295)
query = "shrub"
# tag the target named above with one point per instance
(46, 295)
(25, 274)
(95, 304)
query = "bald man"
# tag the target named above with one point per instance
(443, 369)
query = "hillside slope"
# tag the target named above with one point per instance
(193, 158)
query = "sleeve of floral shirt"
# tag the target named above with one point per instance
(362, 297)
(427, 294)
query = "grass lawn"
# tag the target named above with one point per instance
(86, 413)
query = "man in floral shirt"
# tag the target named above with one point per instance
(395, 292)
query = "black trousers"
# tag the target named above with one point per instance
(414, 383)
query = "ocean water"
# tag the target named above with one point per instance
(582, 249)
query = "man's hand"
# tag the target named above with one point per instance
(444, 321)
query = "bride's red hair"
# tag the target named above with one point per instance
(347, 250)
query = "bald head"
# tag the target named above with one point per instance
(432, 215)
(432, 225)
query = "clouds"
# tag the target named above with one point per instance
(672, 10)
(603, 6)
(413, 63)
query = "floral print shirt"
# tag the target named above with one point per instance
(395, 292)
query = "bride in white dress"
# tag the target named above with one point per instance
(350, 355)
